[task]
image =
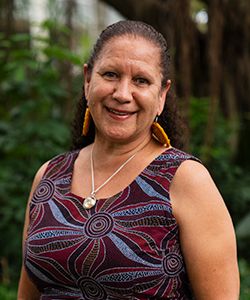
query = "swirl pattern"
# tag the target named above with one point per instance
(99, 225)
(126, 247)
(91, 289)
(44, 192)
(172, 264)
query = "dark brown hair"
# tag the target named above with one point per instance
(169, 119)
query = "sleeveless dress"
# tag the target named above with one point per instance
(126, 247)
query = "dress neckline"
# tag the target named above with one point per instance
(71, 170)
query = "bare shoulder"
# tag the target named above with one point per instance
(193, 185)
(41, 170)
(206, 233)
(190, 173)
(39, 174)
(195, 197)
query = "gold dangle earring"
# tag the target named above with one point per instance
(159, 134)
(86, 122)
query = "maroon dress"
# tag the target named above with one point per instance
(126, 247)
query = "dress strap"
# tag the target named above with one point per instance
(60, 170)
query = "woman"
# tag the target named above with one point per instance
(125, 215)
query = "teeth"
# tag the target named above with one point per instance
(118, 112)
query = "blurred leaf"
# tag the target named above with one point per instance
(243, 227)
(53, 25)
(245, 279)
(62, 54)
(5, 43)
(7, 292)
(20, 37)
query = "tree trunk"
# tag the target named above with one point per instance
(7, 21)
(215, 32)
(70, 9)
(184, 37)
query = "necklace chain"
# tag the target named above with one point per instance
(94, 191)
(90, 201)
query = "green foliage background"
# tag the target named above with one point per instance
(34, 127)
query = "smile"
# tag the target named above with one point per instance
(119, 112)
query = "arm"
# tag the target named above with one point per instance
(206, 234)
(26, 289)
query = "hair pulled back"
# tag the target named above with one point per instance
(169, 119)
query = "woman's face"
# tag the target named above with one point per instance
(124, 91)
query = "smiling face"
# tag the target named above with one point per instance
(124, 91)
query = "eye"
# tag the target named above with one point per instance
(110, 75)
(141, 81)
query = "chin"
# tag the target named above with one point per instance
(119, 135)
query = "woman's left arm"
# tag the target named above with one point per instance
(206, 234)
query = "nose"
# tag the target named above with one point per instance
(122, 91)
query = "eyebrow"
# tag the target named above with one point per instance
(139, 71)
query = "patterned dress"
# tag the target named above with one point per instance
(126, 247)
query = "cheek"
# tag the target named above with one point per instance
(151, 100)
(99, 91)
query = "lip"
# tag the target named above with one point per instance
(119, 114)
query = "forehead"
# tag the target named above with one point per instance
(134, 47)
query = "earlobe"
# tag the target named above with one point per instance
(168, 84)
(85, 71)
(86, 79)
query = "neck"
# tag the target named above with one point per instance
(104, 148)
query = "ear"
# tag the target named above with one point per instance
(86, 80)
(163, 95)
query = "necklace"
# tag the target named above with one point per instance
(90, 201)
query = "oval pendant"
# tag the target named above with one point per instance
(89, 202)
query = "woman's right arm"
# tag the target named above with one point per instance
(26, 289)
